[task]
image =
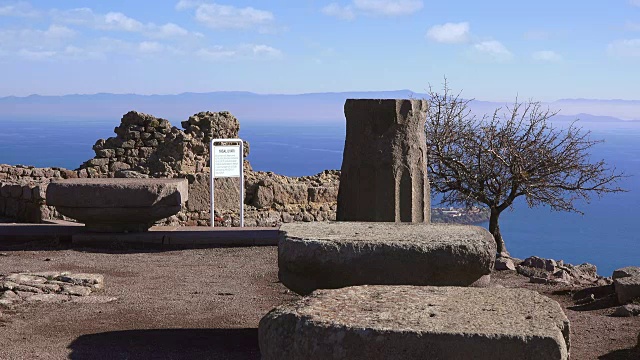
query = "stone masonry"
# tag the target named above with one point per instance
(50, 287)
(384, 169)
(146, 146)
(23, 192)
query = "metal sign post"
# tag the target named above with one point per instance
(226, 161)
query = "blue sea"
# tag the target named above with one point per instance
(608, 235)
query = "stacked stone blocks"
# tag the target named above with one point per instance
(383, 282)
(384, 167)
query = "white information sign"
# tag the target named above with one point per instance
(226, 161)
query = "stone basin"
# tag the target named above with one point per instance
(329, 255)
(118, 205)
(416, 322)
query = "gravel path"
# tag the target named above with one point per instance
(203, 304)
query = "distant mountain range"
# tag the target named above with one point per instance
(313, 107)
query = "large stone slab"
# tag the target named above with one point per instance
(626, 282)
(384, 166)
(118, 205)
(328, 255)
(416, 322)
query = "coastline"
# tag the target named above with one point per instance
(463, 216)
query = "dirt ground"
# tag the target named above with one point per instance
(206, 304)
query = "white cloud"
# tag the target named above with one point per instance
(119, 21)
(245, 51)
(67, 53)
(75, 53)
(171, 30)
(228, 17)
(450, 33)
(19, 9)
(150, 47)
(59, 32)
(115, 21)
(389, 7)
(43, 39)
(188, 4)
(494, 49)
(36, 54)
(341, 12)
(264, 50)
(634, 2)
(624, 48)
(546, 56)
(373, 7)
(215, 53)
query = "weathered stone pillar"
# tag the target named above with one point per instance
(384, 166)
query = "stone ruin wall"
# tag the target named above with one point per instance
(146, 146)
(23, 192)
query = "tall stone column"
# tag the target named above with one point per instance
(384, 166)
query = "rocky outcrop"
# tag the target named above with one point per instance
(627, 310)
(549, 271)
(504, 264)
(416, 322)
(627, 284)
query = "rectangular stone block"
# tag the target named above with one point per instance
(290, 193)
(323, 194)
(39, 192)
(227, 194)
(32, 213)
(11, 207)
(99, 162)
(26, 192)
(15, 191)
(417, 322)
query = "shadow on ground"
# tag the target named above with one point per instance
(624, 354)
(168, 344)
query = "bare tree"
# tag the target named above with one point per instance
(497, 158)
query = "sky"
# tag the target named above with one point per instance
(489, 50)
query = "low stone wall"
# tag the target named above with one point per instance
(270, 200)
(309, 198)
(146, 146)
(23, 192)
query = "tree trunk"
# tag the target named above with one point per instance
(494, 229)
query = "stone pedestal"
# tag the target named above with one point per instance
(384, 166)
(118, 205)
(329, 255)
(416, 322)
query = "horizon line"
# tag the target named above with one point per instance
(292, 94)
